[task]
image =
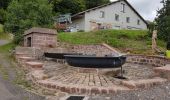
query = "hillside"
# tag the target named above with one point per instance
(133, 41)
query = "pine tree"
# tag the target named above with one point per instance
(163, 21)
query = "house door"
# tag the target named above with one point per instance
(29, 41)
(93, 26)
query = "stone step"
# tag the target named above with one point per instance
(34, 65)
(143, 83)
(38, 75)
(80, 89)
(23, 60)
(17, 55)
(163, 72)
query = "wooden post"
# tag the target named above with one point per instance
(154, 37)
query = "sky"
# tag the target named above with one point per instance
(146, 8)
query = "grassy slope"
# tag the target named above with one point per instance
(2, 34)
(6, 48)
(133, 40)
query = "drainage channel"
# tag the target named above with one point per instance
(76, 98)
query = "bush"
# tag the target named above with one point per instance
(168, 46)
(2, 16)
(18, 38)
(1, 28)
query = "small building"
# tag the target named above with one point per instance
(115, 15)
(40, 37)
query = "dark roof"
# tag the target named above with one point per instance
(40, 30)
(88, 10)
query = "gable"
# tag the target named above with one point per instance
(112, 4)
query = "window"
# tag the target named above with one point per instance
(116, 17)
(138, 22)
(101, 14)
(128, 19)
(123, 7)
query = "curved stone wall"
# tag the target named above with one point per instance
(157, 61)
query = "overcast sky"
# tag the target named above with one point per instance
(146, 8)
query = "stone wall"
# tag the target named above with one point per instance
(29, 52)
(37, 52)
(41, 40)
(98, 50)
(156, 61)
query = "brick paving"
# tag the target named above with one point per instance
(69, 79)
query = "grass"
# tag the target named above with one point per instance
(4, 49)
(7, 47)
(20, 75)
(134, 41)
(1, 28)
(4, 72)
(3, 35)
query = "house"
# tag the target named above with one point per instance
(115, 15)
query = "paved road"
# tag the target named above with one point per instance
(2, 42)
(8, 90)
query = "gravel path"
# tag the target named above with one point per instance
(8, 90)
(2, 42)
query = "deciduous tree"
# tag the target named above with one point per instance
(24, 14)
(68, 6)
(163, 21)
(94, 3)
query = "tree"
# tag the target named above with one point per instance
(163, 21)
(94, 3)
(68, 6)
(24, 14)
(4, 4)
(2, 16)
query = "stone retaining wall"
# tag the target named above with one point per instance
(37, 52)
(156, 61)
(98, 50)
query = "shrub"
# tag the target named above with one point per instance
(168, 46)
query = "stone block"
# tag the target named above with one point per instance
(34, 65)
(144, 83)
(39, 75)
(163, 72)
(22, 60)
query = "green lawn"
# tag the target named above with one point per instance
(135, 41)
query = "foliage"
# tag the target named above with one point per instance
(24, 14)
(1, 28)
(168, 46)
(95, 3)
(5, 36)
(151, 26)
(163, 21)
(68, 6)
(2, 16)
(4, 3)
(136, 41)
(75, 6)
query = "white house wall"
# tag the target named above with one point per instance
(109, 18)
(78, 24)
